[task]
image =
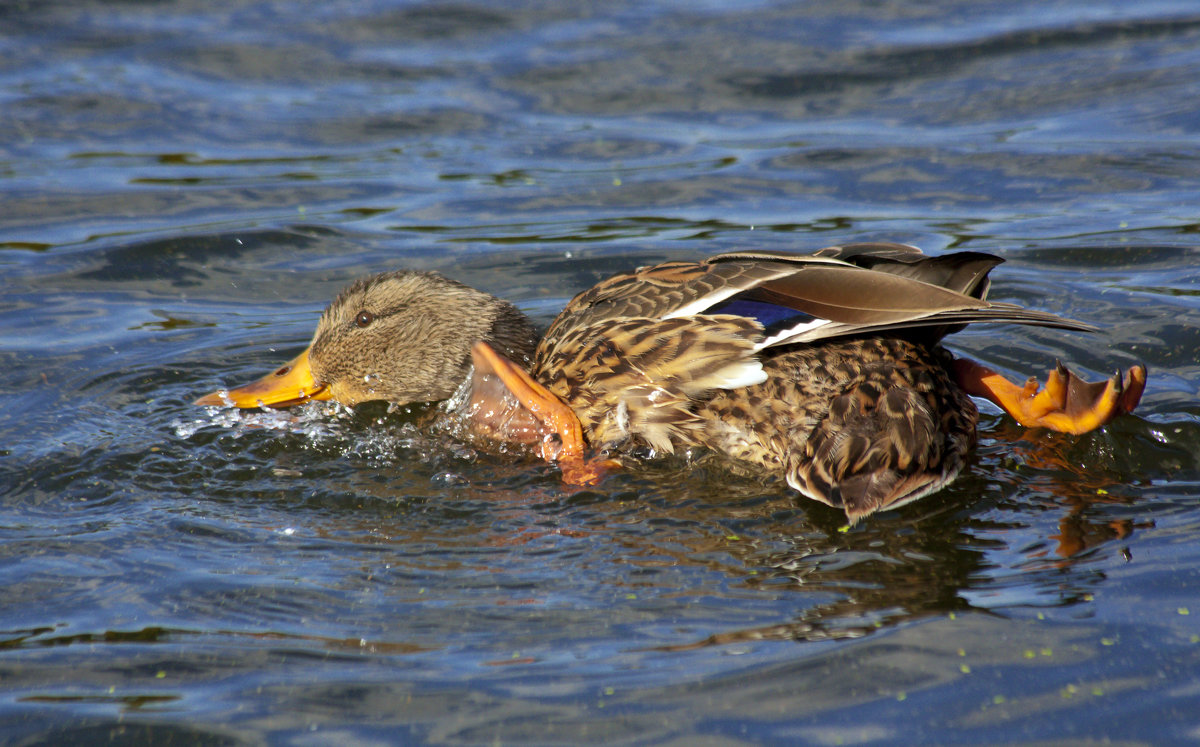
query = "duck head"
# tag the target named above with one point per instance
(401, 336)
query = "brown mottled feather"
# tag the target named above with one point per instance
(660, 291)
(860, 413)
(638, 378)
(868, 424)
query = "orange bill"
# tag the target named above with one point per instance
(290, 384)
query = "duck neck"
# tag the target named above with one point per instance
(513, 335)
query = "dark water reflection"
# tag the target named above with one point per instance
(185, 186)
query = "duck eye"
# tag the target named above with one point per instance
(364, 318)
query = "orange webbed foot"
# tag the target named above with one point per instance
(1067, 403)
(586, 472)
(542, 416)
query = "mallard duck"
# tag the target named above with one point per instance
(825, 369)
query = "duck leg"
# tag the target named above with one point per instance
(560, 430)
(1067, 403)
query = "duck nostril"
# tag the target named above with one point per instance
(284, 371)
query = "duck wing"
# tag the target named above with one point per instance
(669, 290)
(855, 289)
(874, 288)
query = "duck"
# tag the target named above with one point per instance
(826, 369)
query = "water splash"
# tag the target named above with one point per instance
(315, 419)
(400, 433)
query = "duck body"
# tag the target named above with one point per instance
(825, 369)
(834, 381)
(860, 424)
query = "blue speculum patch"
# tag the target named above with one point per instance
(772, 317)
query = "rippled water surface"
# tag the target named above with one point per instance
(185, 185)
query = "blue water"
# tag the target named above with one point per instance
(184, 186)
